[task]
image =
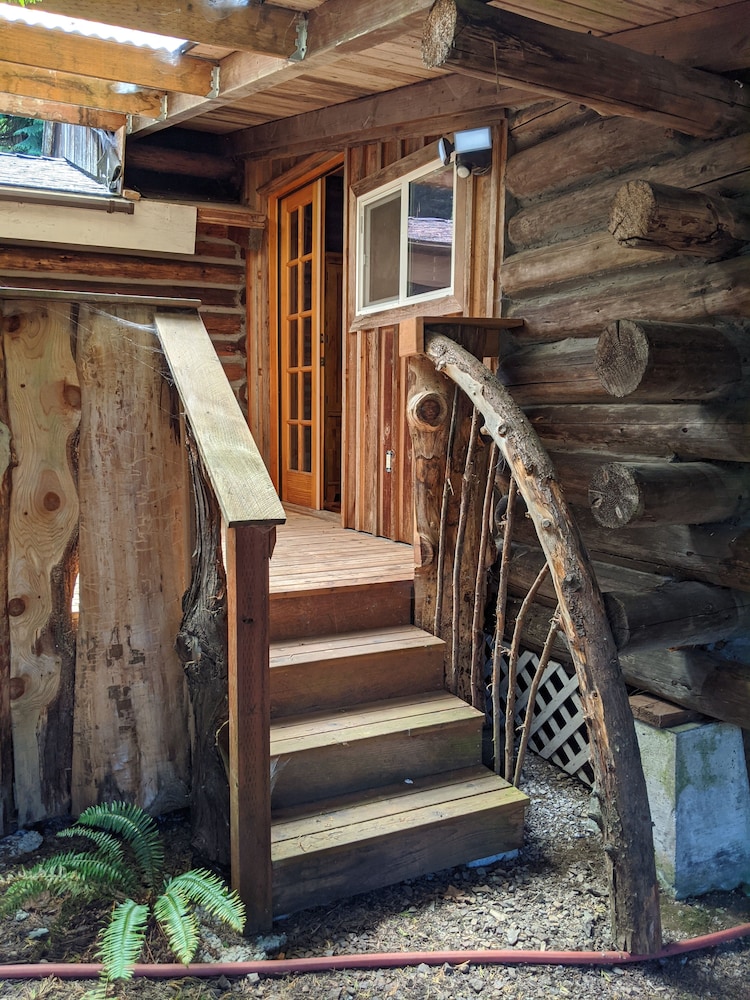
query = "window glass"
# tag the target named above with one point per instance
(382, 227)
(430, 233)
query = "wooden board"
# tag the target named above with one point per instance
(231, 459)
(661, 714)
(131, 713)
(44, 405)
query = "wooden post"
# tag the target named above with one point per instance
(623, 493)
(658, 217)
(247, 551)
(677, 614)
(664, 361)
(628, 846)
(466, 36)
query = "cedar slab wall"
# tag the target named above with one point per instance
(215, 275)
(568, 278)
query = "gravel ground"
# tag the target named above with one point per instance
(551, 897)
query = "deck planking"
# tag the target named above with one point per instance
(313, 552)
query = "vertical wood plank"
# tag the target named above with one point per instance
(247, 552)
(44, 407)
(7, 806)
(130, 719)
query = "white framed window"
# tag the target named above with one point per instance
(406, 246)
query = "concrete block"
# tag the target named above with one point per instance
(699, 795)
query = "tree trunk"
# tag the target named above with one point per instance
(628, 844)
(658, 217)
(202, 648)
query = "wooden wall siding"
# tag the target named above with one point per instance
(568, 278)
(94, 481)
(130, 719)
(215, 275)
(44, 409)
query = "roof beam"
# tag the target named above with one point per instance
(261, 28)
(453, 102)
(335, 28)
(27, 107)
(59, 50)
(492, 44)
(64, 88)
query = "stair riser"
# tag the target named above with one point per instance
(335, 682)
(343, 609)
(323, 876)
(344, 767)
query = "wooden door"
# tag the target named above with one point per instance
(301, 356)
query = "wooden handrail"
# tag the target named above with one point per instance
(615, 755)
(250, 510)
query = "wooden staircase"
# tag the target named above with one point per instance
(376, 770)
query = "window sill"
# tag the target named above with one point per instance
(448, 305)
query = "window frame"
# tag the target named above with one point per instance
(394, 177)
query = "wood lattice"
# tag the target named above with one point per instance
(558, 728)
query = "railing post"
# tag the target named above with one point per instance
(247, 551)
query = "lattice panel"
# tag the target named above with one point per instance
(558, 729)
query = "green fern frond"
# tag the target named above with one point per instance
(122, 940)
(207, 890)
(107, 846)
(179, 924)
(30, 883)
(108, 876)
(136, 828)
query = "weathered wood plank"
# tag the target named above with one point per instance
(229, 454)
(130, 719)
(7, 804)
(51, 86)
(660, 714)
(32, 107)
(468, 37)
(44, 410)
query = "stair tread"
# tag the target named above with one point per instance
(307, 649)
(294, 733)
(358, 817)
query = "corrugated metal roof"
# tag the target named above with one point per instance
(92, 29)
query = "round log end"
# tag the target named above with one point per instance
(632, 211)
(622, 357)
(615, 496)
(439, 32)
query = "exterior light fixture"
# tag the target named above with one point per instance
(471, 151)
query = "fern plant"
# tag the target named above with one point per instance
(126, 865)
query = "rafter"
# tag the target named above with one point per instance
(452, 102)
(58, 50)
(260, 28)
(27, 107)
(335, 28)
(65, 88)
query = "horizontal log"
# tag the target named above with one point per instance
(689, 431)
(719, 167)
(664, 293)
(562, 372)
(532, 125)
(677, 614)
(160, 159)
(468, 37)
(658, 217)
(718, 554)
(665, 361)
(668, 493)
(579, 258)
(695, 679)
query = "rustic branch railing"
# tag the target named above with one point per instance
(620, 784)
(250, 508)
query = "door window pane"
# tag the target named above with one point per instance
(307, 448)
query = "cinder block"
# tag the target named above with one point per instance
(699, 796)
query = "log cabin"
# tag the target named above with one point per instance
(409, 330)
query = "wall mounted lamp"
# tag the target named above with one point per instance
(471, 151)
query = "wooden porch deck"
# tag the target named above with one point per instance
(313, 552)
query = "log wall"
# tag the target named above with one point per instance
(569, 279)
(215, 276)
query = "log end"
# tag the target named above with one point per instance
(615, 496)
(439, 32)
(622, 357)
(632, 213)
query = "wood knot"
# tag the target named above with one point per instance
(17, 688)
(16, 606)
(51, 501)
(72, 395)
